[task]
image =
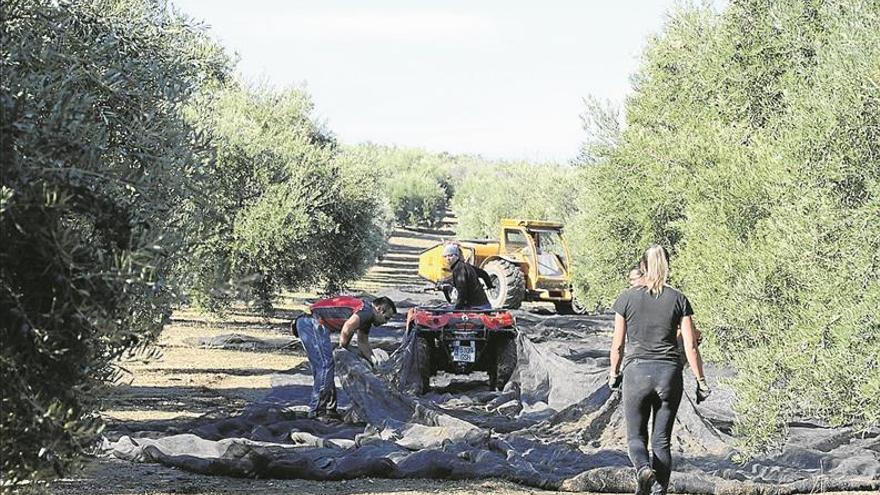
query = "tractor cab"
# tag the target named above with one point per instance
(541, 251)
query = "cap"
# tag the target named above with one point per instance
(451, 250)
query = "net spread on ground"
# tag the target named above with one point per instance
(556, 425)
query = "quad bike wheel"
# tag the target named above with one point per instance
(505, 358)
(425, 369)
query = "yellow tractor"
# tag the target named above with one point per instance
(531, 262)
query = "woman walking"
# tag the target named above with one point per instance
(647, 319)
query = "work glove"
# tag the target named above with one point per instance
(366, 359)
(703, 390)
(614, 382)
(447, 292)
(379, 357)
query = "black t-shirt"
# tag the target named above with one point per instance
(652, 322)
(467, 283)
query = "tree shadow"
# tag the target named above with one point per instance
(183, 399)
(399, 249)
(399, 264)
(421, 232)
(251, 325)
(230, 371)
(399, 257)
(385, 281)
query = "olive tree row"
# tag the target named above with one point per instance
(752, 150)
(137, 174)
(95, 155)
(287, 208)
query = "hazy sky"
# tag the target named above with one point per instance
(502, 79)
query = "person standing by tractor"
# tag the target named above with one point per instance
(344, 314)
(635, 275)
(466, 280)
(646, 320)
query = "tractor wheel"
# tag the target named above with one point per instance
(505, 362)
(572, 307)
(509, 284)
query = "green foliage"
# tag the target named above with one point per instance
(95, 156)
(416, 199)
(416, 183)
(490, 192)
(753, 151)
(286, 209)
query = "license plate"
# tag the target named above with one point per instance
(464, 354)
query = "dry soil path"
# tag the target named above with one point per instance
(187, 382)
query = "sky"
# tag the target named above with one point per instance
(500, 79)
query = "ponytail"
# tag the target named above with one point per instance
(656, 262)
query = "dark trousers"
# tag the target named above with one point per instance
(316, 342)
(651, 388)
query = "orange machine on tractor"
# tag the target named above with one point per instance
(530, 262)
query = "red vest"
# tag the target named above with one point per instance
(333, 312)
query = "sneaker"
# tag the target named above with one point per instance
(644, 480)
(325, 416)
(332, 415)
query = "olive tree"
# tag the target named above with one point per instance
(287, 207)
(752, 151)
(95, 155)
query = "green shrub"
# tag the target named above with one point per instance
(753, 150)
(416, 184)
(95, 158)
(287, 208)
(488, 193)
(416, 199)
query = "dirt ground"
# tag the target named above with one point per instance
(187, 382)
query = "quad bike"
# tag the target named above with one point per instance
(463, 341)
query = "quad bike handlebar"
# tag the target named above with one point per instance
(446, 308)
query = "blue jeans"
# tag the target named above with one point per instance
(316, 341)
(651, 387)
